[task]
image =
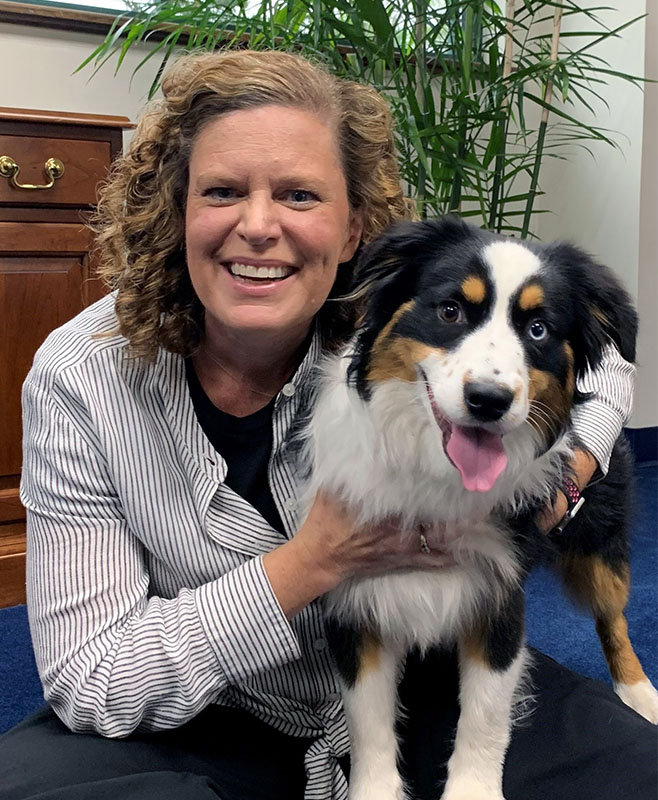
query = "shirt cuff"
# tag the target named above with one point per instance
(245, 623)
(597, 427)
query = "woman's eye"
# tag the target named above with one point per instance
(537, 330)
(300, 196)
(221, 193)
(450, 311)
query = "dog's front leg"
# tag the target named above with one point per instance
(491, 665)
(369, 673)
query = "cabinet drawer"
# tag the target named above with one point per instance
(85, 164)
(12, 564)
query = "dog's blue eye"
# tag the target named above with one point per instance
(451, 311)
(537, 330)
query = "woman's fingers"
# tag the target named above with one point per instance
(387, 545)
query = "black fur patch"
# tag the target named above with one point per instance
(345, 643)
(502, 636)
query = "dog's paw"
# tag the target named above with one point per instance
(469, 788)
(641, 697)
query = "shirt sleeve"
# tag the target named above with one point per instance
(598, 421)
(112, 658)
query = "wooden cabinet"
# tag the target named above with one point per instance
(47, 273)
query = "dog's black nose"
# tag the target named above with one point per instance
(487, 402)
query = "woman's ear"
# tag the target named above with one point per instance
(355, 231)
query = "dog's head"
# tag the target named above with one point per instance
(492, 331)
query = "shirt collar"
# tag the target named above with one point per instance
(301, 379)
(181, 410)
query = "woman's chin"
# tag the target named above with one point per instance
(256, 323)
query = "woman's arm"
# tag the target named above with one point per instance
(330, 546)
(598, 423)
(111, 657)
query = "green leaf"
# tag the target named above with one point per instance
(595, 132)
(459, 139)
(108, 45)
(414, 135)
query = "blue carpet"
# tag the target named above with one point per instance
(554, 626)
(557, 628)
(20, 689)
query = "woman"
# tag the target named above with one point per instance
(170, 583)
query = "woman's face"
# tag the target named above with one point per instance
(267, 220)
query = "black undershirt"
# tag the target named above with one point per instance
(245, 443)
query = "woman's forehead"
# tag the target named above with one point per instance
(291, 120)
(271, 137)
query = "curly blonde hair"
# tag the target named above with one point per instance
(140, 220)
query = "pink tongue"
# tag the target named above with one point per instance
(478, 455)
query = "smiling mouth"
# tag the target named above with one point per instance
(254, 273)
(475, 452)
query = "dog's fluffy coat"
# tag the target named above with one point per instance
(452, 403)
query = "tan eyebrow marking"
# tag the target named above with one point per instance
(474, 289)
(531, 297)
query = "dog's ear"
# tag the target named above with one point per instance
(603, 310)
(385, 261)
(387, 270)
(387, 275)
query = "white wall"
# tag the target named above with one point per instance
(596, 200)
(36, 71)
(646, 404)
(607, 203)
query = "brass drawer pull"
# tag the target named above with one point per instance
(9, 169)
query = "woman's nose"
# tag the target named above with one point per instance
(258, 221)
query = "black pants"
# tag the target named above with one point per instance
(580, 743)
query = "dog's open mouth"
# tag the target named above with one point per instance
(477, 453)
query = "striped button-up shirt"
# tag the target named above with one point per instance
(147, 595)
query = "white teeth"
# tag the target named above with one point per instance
(250, 271)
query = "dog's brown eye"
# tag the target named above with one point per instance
(451, 311)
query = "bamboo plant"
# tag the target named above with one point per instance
(472, 83)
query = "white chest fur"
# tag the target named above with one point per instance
(384, 457)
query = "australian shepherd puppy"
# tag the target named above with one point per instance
(452, 404)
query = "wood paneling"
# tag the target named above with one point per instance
(52, 288)
(12, 564)
(47, 276)
(11, 509)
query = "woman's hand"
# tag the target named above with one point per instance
(331, 546)
(332, 538)
(583, 466)
(550, 516)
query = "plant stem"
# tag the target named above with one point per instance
(421, 66)
(508, 63)
(466, 61)
(548, 96)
